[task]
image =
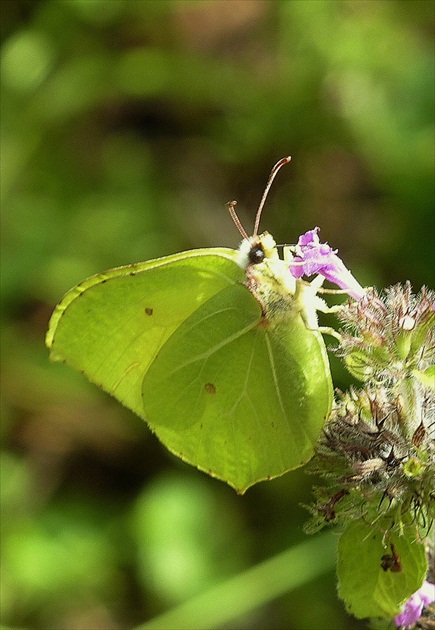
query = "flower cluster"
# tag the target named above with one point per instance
(392, 338)
(378, 448)
(371, 467)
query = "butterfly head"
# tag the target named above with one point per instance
(254, 250)
(259, 247)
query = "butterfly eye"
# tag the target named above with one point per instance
(256, 255)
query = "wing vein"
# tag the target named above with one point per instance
(218, 346)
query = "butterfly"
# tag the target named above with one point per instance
(217, 349)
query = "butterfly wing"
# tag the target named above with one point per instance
(111, 326)
(239, 399)
(183, 343)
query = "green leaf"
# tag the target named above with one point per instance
(233, 383)
(379, 572)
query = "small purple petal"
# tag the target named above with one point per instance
(312, 257)
(414, 606)
(310, 238)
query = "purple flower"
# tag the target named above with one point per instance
(312, 257)
(413, 607)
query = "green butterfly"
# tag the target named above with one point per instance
(217, 349)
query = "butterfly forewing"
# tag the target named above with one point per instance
(112, 326)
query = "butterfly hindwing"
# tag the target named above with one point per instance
(231, 394)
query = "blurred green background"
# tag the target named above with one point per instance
(126, 126)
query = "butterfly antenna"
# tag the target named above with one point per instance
(272, 176)
(231, 205)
